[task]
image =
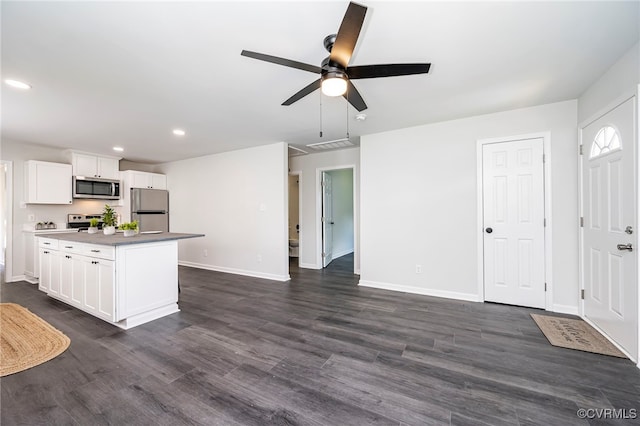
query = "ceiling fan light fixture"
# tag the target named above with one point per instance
(334, 84)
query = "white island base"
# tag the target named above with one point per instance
(149, 277)
(126, 281)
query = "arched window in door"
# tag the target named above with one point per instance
(607, 140)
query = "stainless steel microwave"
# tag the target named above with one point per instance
(90, 187)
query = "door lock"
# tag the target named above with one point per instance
(625, 247)
(489, 230)
(629, 230)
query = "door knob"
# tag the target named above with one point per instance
(489, 230)
(625, 247)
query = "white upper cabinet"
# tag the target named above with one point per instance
(95, 166)
(136, 179)
(47, 183)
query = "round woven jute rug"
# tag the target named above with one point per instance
(27, 339)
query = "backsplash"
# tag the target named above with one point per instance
(58, 213)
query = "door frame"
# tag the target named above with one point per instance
(548, 229)
(8, 195)
(602, 111)
(319, 171)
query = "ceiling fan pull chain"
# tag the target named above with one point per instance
(320, 113)
(347, 109)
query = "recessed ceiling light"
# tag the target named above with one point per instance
(17, 84)
(118, 148)
(179, 132)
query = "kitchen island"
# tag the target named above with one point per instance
(126, 281)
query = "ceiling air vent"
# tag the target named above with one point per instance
(338, 143)
(294, 152)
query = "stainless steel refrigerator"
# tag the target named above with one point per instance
(150, 207)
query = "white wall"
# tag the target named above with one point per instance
(418, 202)
(309, 166)
(238, 200)
(342, 215)
(621, 79)
(18, 153)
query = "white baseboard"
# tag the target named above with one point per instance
(422, 291)
(244, 272)
(17, 278)
(565, 309)
(309, 266)
(342, 253)
(145, 317)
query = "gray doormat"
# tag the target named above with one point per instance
(575, 334)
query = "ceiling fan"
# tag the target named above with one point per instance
(335, 72)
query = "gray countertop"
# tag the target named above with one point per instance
(117, 239)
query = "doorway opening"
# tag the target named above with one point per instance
(337, 213)
(294, 217)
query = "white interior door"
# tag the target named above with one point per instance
(327, 220)
(610, 226)
(513, 215)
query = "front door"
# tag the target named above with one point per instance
(610, 226)
(513, 216)
(327, 220)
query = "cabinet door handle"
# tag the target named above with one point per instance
(68, 246)
(47, 244)
(45, 252)
(95, 251)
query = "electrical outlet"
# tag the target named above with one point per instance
(31, 218)
(205, 252)
(418, 269)
(259, 258)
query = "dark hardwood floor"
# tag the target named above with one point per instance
(318, 350)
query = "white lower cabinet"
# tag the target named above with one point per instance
(99, 294)
(44, 270)
(31, 254)
(67, 267)
(49, 271)
(125, 285)
(86, 282)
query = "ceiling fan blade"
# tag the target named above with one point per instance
(386, 70)
(281, 61)
(353, 96)
(348, 34)
(302, 93)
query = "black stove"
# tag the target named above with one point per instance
(81, 221)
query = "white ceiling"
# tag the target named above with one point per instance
(122, 73)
